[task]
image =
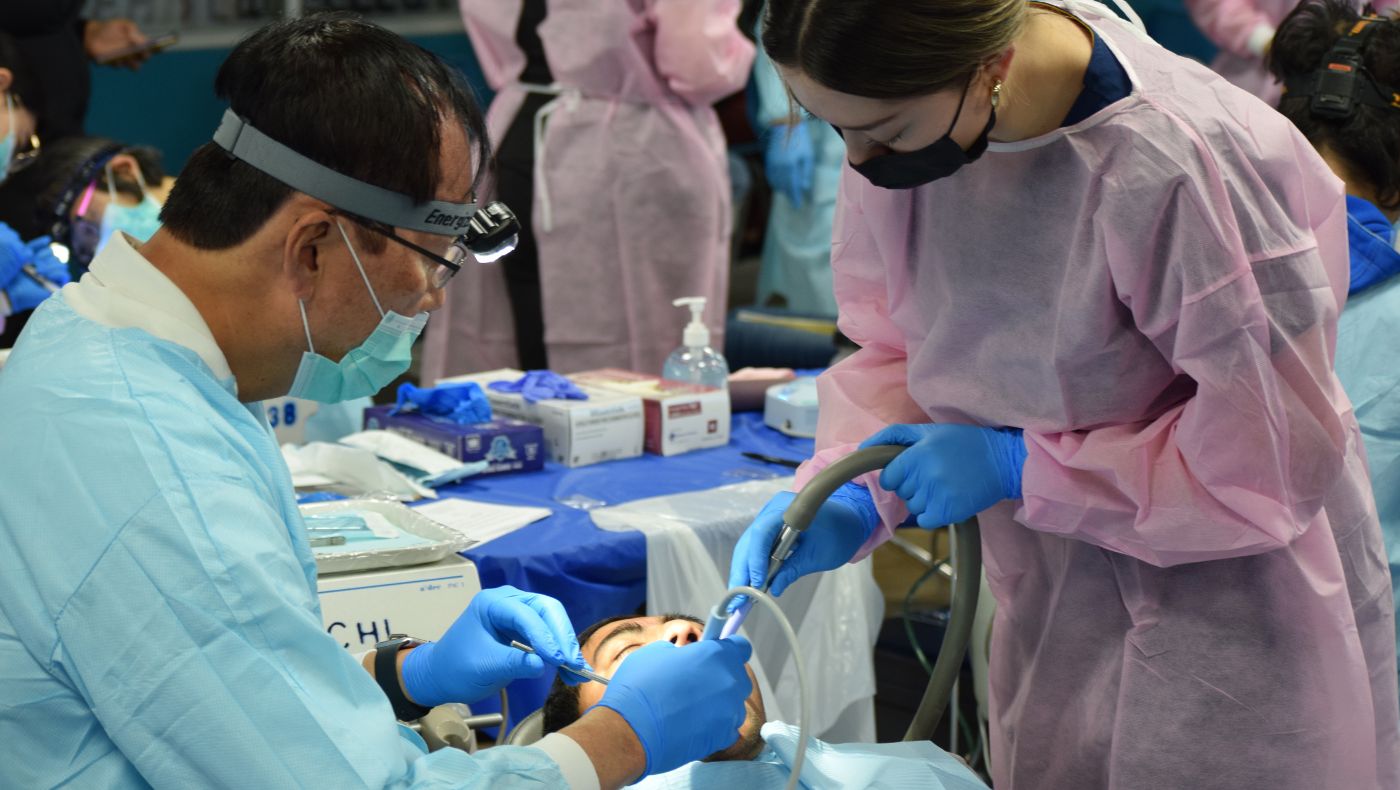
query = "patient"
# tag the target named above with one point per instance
(763, 754)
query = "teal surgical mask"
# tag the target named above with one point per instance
(7, 143)
(140, 221)
(365, 369)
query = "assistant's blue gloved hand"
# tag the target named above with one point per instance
(463, 403)
(843, 524)
(684, 703)
(474, 658)
(538, 385)
(789, 162)
(13, 254)
(951, 473)
(24, 292)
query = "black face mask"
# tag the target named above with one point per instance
(939, 160)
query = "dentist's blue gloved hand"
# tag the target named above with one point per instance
(13, 255)
(952, 472)
(789, 162)
(841, 527)
(23, 291)
(684, 703)
(474, 658)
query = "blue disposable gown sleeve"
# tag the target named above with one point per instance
(773, 105)
(197, 642)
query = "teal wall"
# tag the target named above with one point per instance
(170, 102)
(1169, 23)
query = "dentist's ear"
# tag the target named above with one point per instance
(305, 244)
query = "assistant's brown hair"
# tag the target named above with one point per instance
(890, 50)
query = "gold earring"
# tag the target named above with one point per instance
(996, 95)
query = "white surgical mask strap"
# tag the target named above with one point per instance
(307, 326)
(360, 266)
(112, 184)
(141, 182)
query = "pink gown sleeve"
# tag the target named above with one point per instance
(1241, 467)
(868, 390)
(491, 25)
(1229, 23)
(700, 52)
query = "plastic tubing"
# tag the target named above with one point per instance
(718, 616)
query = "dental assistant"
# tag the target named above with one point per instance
(1096, 294)
(159, 624)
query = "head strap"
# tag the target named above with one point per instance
(1343, 83)
(244, 142)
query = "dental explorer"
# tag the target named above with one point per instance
(586, 674)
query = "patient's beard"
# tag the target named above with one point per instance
(750, 741)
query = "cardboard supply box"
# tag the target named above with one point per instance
(606, 427)
(680, 417)
(507, 445)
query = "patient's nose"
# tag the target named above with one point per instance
(681, 632)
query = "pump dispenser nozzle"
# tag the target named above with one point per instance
(695, 362)
(697, 335)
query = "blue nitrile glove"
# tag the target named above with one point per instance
(24, 293)
(684, 703)
(13, 254)
(463, 403)
(538, 385)
(789, 162)
(951, 473)
(842, 525)
(474, 659)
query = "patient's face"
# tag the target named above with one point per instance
(606, 649)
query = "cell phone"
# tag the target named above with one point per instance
(151, 47)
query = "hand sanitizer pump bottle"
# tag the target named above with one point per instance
(695, 362)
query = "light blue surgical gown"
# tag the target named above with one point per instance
(796, 261)
(913, 764)
(1368, 363)
(159, 624)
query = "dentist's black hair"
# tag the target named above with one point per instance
(342, 91)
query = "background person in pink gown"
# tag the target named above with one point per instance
(625, 185)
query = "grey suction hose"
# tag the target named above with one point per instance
(803, 509)
(968, 563)
(804, 506)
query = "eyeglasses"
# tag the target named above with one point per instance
(442, 267)
(26, 156)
